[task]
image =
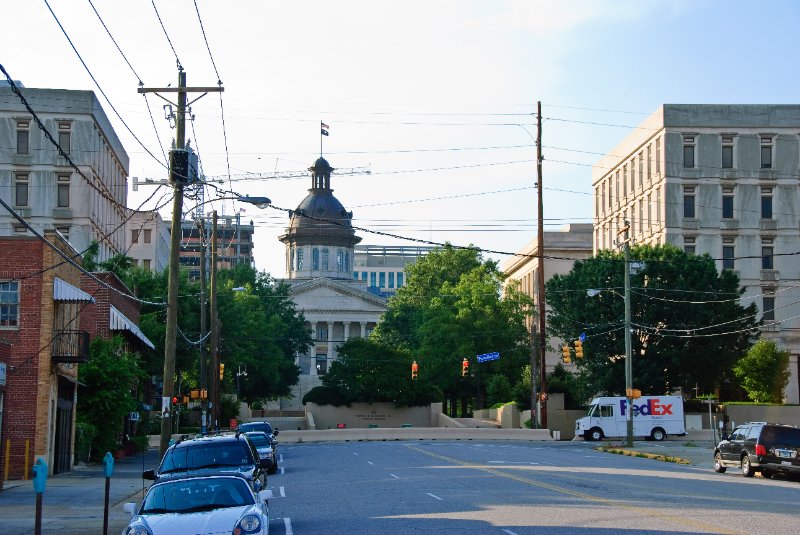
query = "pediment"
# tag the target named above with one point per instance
(330, 294)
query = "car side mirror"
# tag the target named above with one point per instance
(149, 474)
(275, 432)
(129, 507)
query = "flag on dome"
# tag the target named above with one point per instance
(323, 128)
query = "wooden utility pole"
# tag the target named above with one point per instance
(540, 278)
(214, 346)
(201, 229)
(174, 252)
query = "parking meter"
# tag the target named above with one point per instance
(39, 475)
(108, 464)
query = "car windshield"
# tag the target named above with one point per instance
(206, 455)
(196, 494)
(256, 426)
(782, 436)
(259, 439)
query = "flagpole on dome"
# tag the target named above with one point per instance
(323, 131)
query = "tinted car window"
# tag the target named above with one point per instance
(754, 431)
(785, 436)
(256, 426)
(259, 440)
(208, 456)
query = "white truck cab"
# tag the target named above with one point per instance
(654, 417)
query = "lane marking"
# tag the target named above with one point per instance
(282, 470)
(283, 492)
(563, 490)
(356, 454)
(280, 457)
(433, 496)
(509, 532)
(394, 476)
(370, 462)
(288, 523)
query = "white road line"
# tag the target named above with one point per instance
(283, 492)
(354, 453)
(282, 472)
(394, 476)
(509, 532)
(280, 457)
(433, 496)
(288, 523)
(370, 462)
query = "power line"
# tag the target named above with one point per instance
(177, 60)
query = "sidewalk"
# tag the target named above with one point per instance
(73, 502)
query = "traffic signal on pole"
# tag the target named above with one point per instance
(565, 356)
(174, 400)
(464, 368)
(414, 369)
(578, 349)
(221, 370)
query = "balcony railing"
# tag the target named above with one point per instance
(70, 347)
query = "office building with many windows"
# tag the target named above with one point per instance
(721, 180)
(383, 267)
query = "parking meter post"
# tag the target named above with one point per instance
(39, 484)
(108, 470)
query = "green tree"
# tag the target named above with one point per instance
(455, 307)
(689, 328)
(764, 372)
(369, 371)
(105, 392)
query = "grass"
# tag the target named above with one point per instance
(633, 453)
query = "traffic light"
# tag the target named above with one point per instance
(221, 370)
(174, 400)
(578, 349)
(414, 369)
(464, 368)
(565, 356)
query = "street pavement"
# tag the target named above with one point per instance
(74, 502)
(697, 449)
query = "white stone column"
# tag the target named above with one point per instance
(363, 329)
(346, 330)
(313, 368)
(330, 343)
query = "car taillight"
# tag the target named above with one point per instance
(760, 449)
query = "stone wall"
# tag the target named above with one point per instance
(364, 415)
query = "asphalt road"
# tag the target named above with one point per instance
(516, 488)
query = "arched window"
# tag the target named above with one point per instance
(315, 259)
(339, 260)
(325, 263)
(299, 259)
(291, 258)
(347, 261)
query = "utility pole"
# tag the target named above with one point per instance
(201, 228)
(215, 379)
(628, 351)
(174, 252)
(540, 261)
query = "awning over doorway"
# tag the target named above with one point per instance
(64, 291)
(119, 322)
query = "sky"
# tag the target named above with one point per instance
(437, 99)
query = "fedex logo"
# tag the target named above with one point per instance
(651, 407)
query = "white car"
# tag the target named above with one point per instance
(200, 505)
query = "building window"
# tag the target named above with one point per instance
(315, 258)
(64, 136)
(64, 231)
(768, 307)
(382, 279)
(688, 202)
(649, 162)
(9, 304)
(291, 259)
(658, 156)
(658, 206)
(322, 364)
(322, 333)
(346, 261)
(641, 170)
(325, 262)
(688, 151)
(689, 245)
(135, 236)
(339, 260)
(400, 279)
(624, 181)
(641, 216)
(766, 257)
(63, 191)
(727, 206)
(21, 190)
(148, 233)
(727, 256)
(649, 212)
(300, 259)
(363, 275)
(727, 152)
(391, 279)
(766, 152)
(355, 275)
(373, 279)
(766, 203)
(23, 137)
(146, 263)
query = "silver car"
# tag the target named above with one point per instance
(200, 505)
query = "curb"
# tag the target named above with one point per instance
(635, 453)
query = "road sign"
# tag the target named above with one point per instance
(582, 337)
(486, 357)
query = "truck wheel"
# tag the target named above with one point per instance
(658, 434)
(595, 433)
(747, 468)
(718, 466)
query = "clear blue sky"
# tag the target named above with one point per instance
(429, 94)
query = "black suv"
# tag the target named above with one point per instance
(760, 447)
(213, 454)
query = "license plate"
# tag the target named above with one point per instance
(786, 454)
(786, 463)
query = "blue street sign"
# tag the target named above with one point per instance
(486, 357)
(582, 337)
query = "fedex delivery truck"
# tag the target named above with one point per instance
(654, 417)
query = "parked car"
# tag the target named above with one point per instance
(264, 427)
(267, 448)
(760, 447)
(211, 504)
(231, 453)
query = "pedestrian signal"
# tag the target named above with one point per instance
(414, 369)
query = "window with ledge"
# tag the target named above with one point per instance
(391, 279)
(300, 264)
(633, 175)
(688, 203)
(135, 236)
(767, 257)
(727, 257)
(64, 135)
(689, 244)
(146, 263)
(641, 216)
(688, 151)
(148, 235)
(624, 179)
(382, 279)
(21, 189)
(63, 191)
(322, 333)
(649, 162)
(727, 152)
(658, 156)
(9, 304)
(766, 203)
(373, 279)
(727, 205)
(768, 307)
(649, 212)
(325, 256)
(23, 137)
(400, 276)
(64, 231)
(766, 152)
(641, 170)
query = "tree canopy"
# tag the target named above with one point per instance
(689, 327)
(764, 372)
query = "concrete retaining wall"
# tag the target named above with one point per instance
(364, 415)
(421, 433)
(780, 414)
